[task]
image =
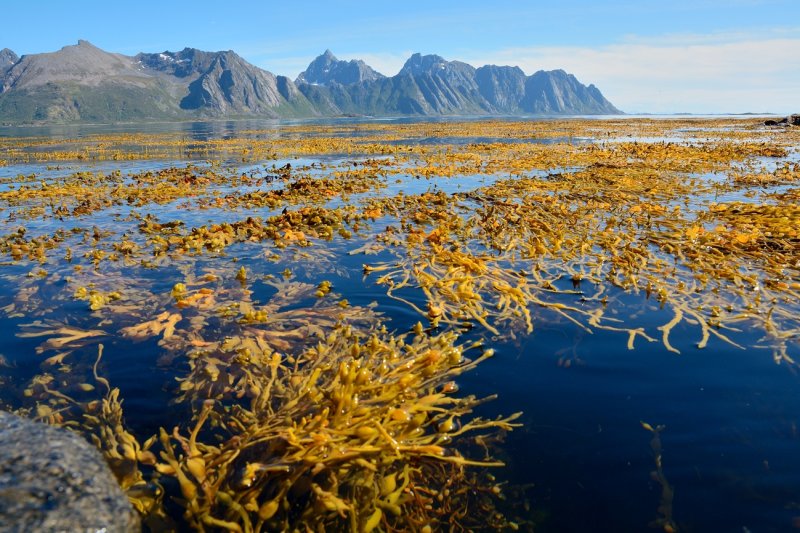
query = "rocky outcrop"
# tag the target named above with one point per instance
(791, 120)
(53, 480)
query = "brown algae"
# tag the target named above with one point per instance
(305, 411)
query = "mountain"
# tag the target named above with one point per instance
(83, 63)
(426, 85)
(327, 69)
(554, 91)
(445, 87)
(431, 85)
(82, 83)
(224, 84)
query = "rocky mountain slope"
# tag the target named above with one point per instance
(224, 84)
(82, 83)
(430, 85)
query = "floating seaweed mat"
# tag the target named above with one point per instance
(311, 416)
(298, 419)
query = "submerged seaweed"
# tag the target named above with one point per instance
(305, 407)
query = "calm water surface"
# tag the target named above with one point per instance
(731, 447)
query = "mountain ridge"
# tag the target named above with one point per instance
(82, 82)
(432, 85)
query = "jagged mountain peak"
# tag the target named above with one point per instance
(7, 58)
(187, 62)
(326, 69)
(223, 83)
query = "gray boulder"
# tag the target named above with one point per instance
(791, 120)
(53, 480)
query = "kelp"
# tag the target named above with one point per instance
(298, 405)
(311, 407)
(326, 369)
(664, 520)
(359, 428)
(100, 418)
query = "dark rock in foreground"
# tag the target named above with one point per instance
(53, 480)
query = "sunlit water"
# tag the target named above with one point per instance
(731, 448)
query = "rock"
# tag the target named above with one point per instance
(791, 120)
(53, 480)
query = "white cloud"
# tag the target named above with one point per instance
(699, 74)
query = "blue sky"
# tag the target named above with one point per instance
(646, 56)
